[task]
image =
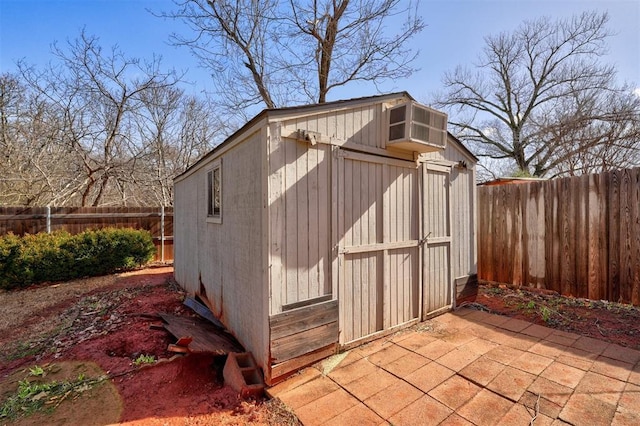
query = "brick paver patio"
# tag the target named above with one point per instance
(471, 368)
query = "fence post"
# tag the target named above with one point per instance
(162, 233)
(48, 219)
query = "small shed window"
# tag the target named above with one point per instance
(214, 193)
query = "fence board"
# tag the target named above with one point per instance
(32, 220)
(579, 236)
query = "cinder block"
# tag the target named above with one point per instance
(243, 375)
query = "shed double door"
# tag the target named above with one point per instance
(377, 209)
(437, 294)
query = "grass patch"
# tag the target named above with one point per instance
(34, 394)
(144, 359)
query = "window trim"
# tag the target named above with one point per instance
(212, 217)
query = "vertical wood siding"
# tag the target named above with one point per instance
(361, 125)
(579, 236)
(224, 261)
(437, 251)
(299, 210)
(378, 205)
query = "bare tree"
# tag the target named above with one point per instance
(541, 98)
(280, 52)
(98, 97)
(177, 130)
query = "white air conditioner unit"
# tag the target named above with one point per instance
(415, 127)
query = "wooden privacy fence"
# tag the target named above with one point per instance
(578, 236)
(157, 220)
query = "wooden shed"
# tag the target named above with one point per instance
(319, 227)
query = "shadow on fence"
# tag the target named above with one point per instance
(578, 236)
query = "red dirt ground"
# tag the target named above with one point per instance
(599, 319)
(110, 326)
(101, 325)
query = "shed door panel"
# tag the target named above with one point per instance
(437, 229)
(378, 244)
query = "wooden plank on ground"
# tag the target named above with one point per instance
(207, 338)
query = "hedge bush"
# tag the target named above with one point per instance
(60, 256)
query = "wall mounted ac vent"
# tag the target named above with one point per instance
(415, 127)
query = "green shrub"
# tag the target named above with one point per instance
(61, 256)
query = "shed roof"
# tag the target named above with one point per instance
(275, 112)
(311, 108)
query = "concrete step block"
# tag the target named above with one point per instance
(243, 375)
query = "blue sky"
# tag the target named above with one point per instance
(454, 34)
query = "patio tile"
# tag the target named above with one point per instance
(387, 355)
(501, 336)
(590, 344)
(562, 337)
(424, 411)
(457, 359)
(514, 324)
(416, 341)
(627, 413)
(548, 349)
(352, 356)
(369, 385)
(550, 390)
(292, 382)
(325, 408)
(536, 402)
(563, 374)
(400, 335)
(373, 347)
(626, 418)
(584, 409)
(522, 342)
(479, 346)
(575, 359)
(535, 330)
(560, 340)
(463, 312)
(456, 420)
(634, 376)
(407, 364)
(504, 354)
(436, 349)
(454, 392)
(353, 371)
(359, 414)
(486, 408)
(558, 422)
(429, 376)
(459, 338)
(521, 415)
(393, 399)
(511, 383)
(310, 391)
(621, 353)
(482, 330)
(482, 371)
(612, 368)
(630, 398)
(531, 363)
(494, 319)
(604, 388)
(477, 316)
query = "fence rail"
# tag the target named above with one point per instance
(32, 220)
(579, 236)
